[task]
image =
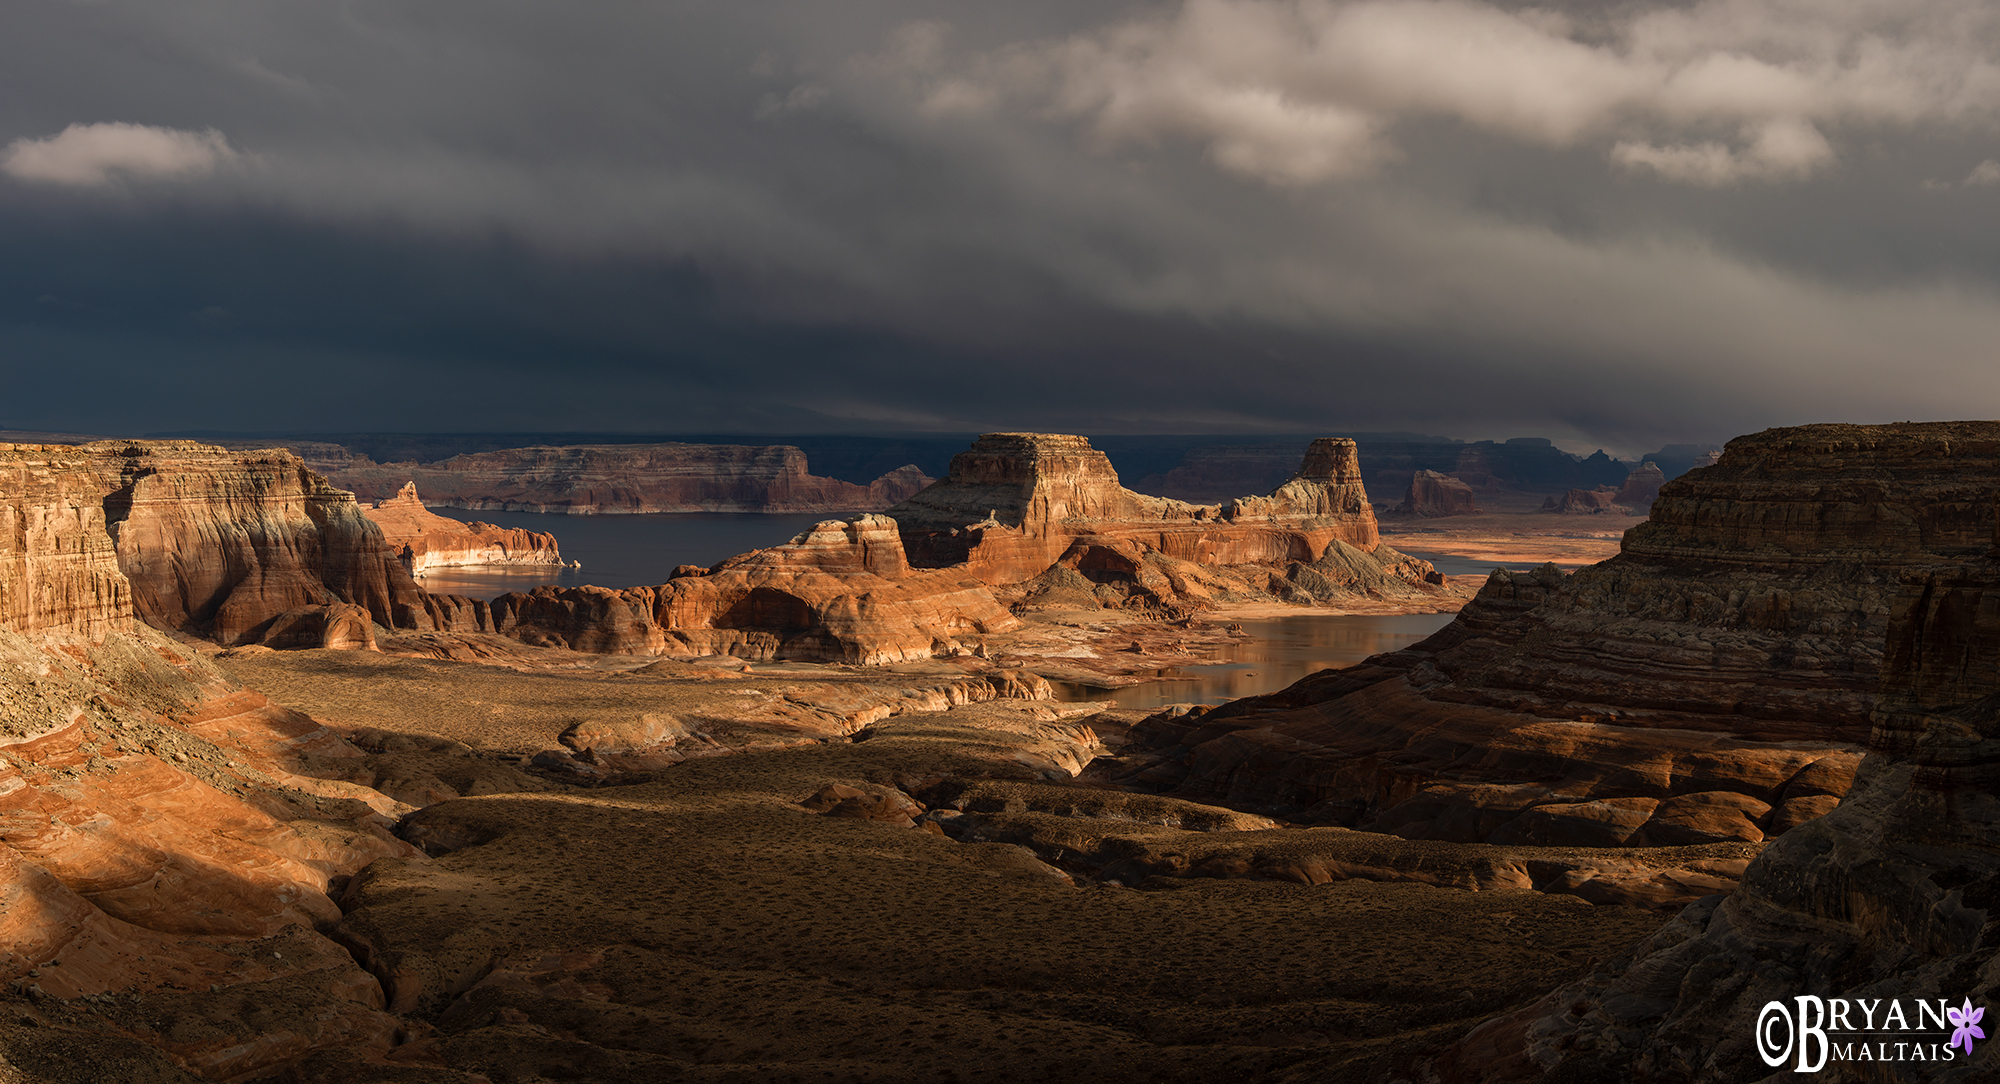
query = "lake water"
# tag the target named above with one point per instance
(640, 550)
(1280, 651)
(618, 551)
(1453, 565)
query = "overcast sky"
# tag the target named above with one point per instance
(1613, 224)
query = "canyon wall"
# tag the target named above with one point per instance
(1712, 682)
(1893, 895)
(246, 547)
(164, 831)
(614, 478)
(58, 568)
(423, 539)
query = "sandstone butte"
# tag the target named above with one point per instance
(1714, 681)
(253, 547)
(1892, 895)
(423, 539)
(1432, 494)
(609, 478)
(1019, 518)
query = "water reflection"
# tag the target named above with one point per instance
(1280, 651)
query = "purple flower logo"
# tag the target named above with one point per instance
(1966, 1020)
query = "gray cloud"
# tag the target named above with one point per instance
(1616, 224)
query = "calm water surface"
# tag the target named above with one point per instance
(1280, 651)
(1453, 565)
(640, 550)
(618, 551)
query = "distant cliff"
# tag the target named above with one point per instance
(587, 479)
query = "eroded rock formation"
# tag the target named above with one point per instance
(1712, 682)
(1587, 502)
(1018, 504)
(841, 592)
(1028, 520)
(243, 547)
(1432, 494)
(1642, 486)
(162, 829)
(629, 478)
(238, 547)
(423, 539)
(1893, 895)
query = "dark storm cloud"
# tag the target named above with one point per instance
(1616, 223)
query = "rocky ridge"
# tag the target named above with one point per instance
(1893, 895)
(162, 831)
(615, 478)
(423, 539)
(1016, 505)
(1712, 682)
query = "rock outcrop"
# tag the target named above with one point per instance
(163, 830)
(610, 478)
(841, 592)
(58, 570)
(1432, 494)
(423, 539)
(1891, 896)
(1017, 504)
(1642, 486)
(1713, 681)
(1587, 502)
(246, 547)
(1022, 520)
(238, 547)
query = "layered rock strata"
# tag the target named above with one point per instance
(423, 539)
(1025, 520)
(841, 592)
(58, 571)
(1712, 682)
(1892, 896)
(1432, 495)
(1018, 504)
(247, 547)
(613, 478)
(154, 820)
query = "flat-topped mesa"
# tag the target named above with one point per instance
(1714, 681)
(58, 569)
(423, 539)
(1016, 504)
(1904, 494)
